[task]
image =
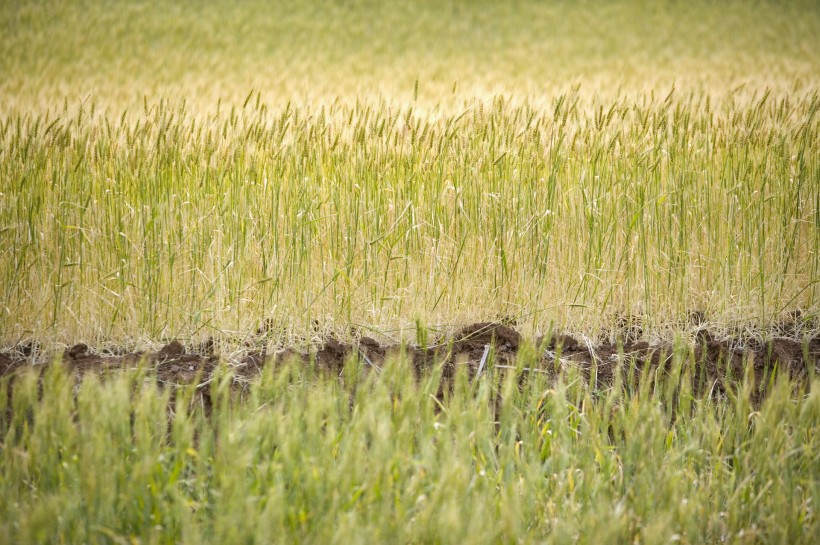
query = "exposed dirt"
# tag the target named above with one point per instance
(476, 347)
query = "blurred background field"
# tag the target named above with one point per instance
(321, 50)
(211, 168)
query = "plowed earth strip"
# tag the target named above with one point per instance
(717, 364)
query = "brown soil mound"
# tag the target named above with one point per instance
(477, 346)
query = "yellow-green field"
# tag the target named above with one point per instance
(268, 175)
(174, 172)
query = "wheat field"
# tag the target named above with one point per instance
(305, 203)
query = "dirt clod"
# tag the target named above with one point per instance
(369, 342)
(567, 343)
(171, 350)
(481, 334)
(77, 351)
